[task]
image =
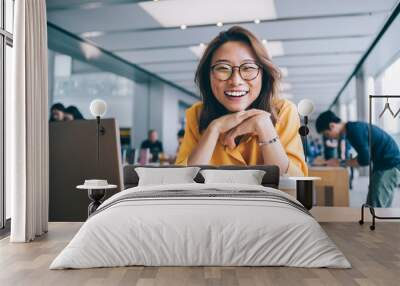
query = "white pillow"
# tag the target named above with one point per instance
(164, 176)
(249, 177)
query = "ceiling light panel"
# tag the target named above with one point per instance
(197, 12)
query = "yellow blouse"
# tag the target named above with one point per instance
(248, 152)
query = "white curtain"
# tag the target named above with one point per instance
(27, 127)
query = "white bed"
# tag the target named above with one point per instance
(222, 225)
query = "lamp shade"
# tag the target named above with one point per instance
(305, 107)
(98, 107)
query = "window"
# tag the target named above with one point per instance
(75, 82)
(9, 12)
(391, 86)
(390, 78)
(6, 64)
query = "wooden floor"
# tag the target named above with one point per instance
(374, 255)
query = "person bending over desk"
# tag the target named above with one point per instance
(241, 120)
(386, 162)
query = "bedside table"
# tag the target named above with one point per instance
(304, 188)
(96, 195)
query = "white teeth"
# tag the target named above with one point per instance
(236, 93)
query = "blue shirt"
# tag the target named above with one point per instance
(385, 152)
(347, 148)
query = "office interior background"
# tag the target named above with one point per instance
(140, 57)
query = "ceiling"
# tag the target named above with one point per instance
(317, 44)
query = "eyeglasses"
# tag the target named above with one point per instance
(247, 71)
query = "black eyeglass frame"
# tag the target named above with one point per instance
(233, 69)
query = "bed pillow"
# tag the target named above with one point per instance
(249, 177)
(164, 176)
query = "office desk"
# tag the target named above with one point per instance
(333, 186)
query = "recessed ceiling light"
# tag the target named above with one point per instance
(92, 34)
(257, 21)
(183, 27)
(89, 51)
(92, 5)
(220, 24)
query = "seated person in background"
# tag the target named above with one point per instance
(318, 146)
(312, 151)
(330, 148)
(180, 135)
(72, 113)
(154, 145)
(241, 120)
(57, 112)
(385, 160)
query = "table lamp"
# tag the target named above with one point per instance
(305, 107)
(97, 188)
(98, 108)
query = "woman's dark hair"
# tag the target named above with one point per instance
(324, 119)
(212, 109)
(75, 112)
(56, 106)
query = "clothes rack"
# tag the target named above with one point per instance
(387, 107)
(371, 208)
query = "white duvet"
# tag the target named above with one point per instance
(188, 231)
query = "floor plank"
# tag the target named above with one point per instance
(375, 257)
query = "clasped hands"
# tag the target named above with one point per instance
(254, 122)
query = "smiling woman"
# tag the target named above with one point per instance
(241, 120)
